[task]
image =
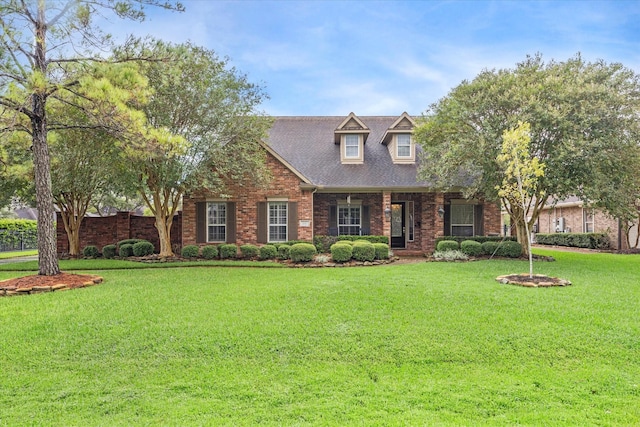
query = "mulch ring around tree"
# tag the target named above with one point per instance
(537, 281)
(36, 284)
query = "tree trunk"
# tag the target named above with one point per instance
(72, 227)
(163, 225)
(47, 250)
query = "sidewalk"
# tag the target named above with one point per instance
(18, 259)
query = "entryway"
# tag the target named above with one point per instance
(398, 225)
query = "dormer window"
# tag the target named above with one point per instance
(351, 146)
(399, 141)
(351, 134)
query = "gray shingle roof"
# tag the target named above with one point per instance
(307, 143)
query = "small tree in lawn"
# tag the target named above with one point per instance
(520, 189)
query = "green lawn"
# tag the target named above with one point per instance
(419, 344)
(15, 254)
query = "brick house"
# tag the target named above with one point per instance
(338, 176)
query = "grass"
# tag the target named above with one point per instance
(117, 264)
(16, 254)
(419, 344)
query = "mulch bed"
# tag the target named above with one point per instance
(38, 284)
(537, 281)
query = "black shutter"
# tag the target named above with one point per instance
(262, 225)
(478, 220)
(231, 222)
(292, 226)
(366, 221)
(201, 222)
(333, 220)
(447, 220)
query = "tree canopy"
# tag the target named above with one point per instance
(584, 128)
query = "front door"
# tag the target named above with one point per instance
(398, 226)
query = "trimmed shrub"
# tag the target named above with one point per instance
(130, 242)
(268, 252)
(190, 251)
(471, 247)
(510, 249)
(578, 240)
(143, 248)
(302, 252)
(90, 251)
(363, 251)
(341, 252)
(228, 250)
(382, 250)
(490, 247)
(210, 252)
(125, 250)
(249, 251)
(480, 239)
(283, 251)
(447, 245)
(18, 234)
(109, 251)
(346, 242)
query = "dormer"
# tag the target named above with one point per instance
(351, 134)
(399, 140)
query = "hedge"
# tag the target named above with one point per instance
(210, 252)
(363, 251)
(90, 251)
(447, 245)
(18, 234)
(228, 250)
(283, 251)
(382, 250)
(480, 239)
(249, 251)
(268, 252)
(471, 247)
(341, 252)
(323, 243)
(302, 252)
(576, 240)
(125, 250)
(190, 251)
(143, 248)
(109, 251)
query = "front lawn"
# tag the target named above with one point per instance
(416, 344)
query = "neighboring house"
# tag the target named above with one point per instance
(571, 216)
(338, 176)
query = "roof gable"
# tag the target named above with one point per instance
(353, 125)
(404, 124)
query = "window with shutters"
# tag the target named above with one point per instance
(462, 220)
(216, 222)
(277, 222)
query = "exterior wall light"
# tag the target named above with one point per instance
(387, 213)
(440, 212)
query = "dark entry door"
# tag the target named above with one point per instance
(398, 226)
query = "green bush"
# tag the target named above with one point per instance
(341, 252)
(268, 252)
(577, 240)
(323, 243)
(346, 242)
(450, 255)
(130, 242)
(302, 252)
(382, 250)
(249, 251)
(143, 248)
(109, 251)
(210, 252)
(447, 245)
(190, 251)
(90, 251)
(490, 247)
(125, 250)
(363, 251)
(283, 251)
(510, 249)
(228, 251)
(480, 239)
(471, 247)
(18, 234)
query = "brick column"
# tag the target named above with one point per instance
(123, 225)
(386, 223)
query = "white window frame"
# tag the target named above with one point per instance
(406, 143)
(461, 224)
(351, 141)
(216, 222)
(275, 228)
(352, 221)
(585, 220)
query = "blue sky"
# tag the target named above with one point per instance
(387, 57)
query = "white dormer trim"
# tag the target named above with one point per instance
(402, 126)
(351, 124)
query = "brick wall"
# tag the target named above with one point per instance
(102, 231)
(574, 222)
(285, 184)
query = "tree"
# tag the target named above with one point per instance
(522, 171)
(584, 125)
(37, 38)
(207, 130)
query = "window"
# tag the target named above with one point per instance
(349, 220)
(588, 221)
(216, 222)
(351, 146)
(410, 209)
(277, 222)
(462, 220)
(404, 145)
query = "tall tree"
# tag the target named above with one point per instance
(37, 38)
(583, 120)
(207, 127)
